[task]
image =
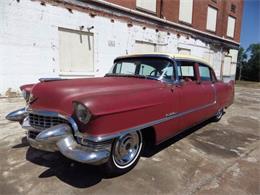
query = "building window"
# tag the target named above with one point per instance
(147, 5)
(212, 19)
(185, 11)
(233, 8)
(76, 52)
(231, 26)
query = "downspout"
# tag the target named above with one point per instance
(222, 64)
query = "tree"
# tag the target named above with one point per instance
(253, 64)
(249, 70)
(241, 61)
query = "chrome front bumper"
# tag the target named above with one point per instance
(61, 138)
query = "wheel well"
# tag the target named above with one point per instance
(149, 137)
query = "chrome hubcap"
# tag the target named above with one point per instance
(127, 148)
(219, 114)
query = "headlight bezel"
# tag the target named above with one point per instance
(82, 113)
(26, 95)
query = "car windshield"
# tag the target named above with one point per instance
(150, 68)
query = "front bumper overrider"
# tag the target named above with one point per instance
(62, 138)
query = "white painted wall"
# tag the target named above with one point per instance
(29, 42)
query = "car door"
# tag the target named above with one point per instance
(207, 87)
(169, 124)
(193, 94)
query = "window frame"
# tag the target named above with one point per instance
(183, 21)
(210, 72)
(179, 61)
(214, 8)
(138, 7)
(196, 70)
(235, 19)
(165, 57)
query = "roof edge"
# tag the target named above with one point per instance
(152, 17)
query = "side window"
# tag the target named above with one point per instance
(147, 70)
(205, 74)
(125, 68)
(169, 73)
(186, 70)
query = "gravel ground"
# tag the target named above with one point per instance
(212, 158)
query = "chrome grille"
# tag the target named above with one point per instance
(32, 134)
(44, 122)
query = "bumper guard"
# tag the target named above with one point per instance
(61, 138)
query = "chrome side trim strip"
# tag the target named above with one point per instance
(101, 138)
(183, 130)
(152, 123)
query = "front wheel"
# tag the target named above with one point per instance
(125, 154)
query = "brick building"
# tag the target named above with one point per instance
(80, 38)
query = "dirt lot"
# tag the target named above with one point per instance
(213, 158)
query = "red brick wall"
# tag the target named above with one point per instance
(169, 9)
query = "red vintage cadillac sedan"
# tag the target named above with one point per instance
(145, 99)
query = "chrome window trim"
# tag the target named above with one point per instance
(86, 136)
(163, 56)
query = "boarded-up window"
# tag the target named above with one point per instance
(231, 26)
(149, 5)
(183, 51)
(185, 11)
(144, 47)
(211, 19)
(227, 66)
(76, 51)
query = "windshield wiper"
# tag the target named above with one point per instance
(131, 75)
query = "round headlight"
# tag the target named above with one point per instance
(26, 95)
(82, 113)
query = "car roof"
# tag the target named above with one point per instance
(175, 56)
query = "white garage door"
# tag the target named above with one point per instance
(76, 52)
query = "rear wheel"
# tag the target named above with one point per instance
(125, 154)
(218, 115)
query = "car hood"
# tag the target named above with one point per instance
(101, 95)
